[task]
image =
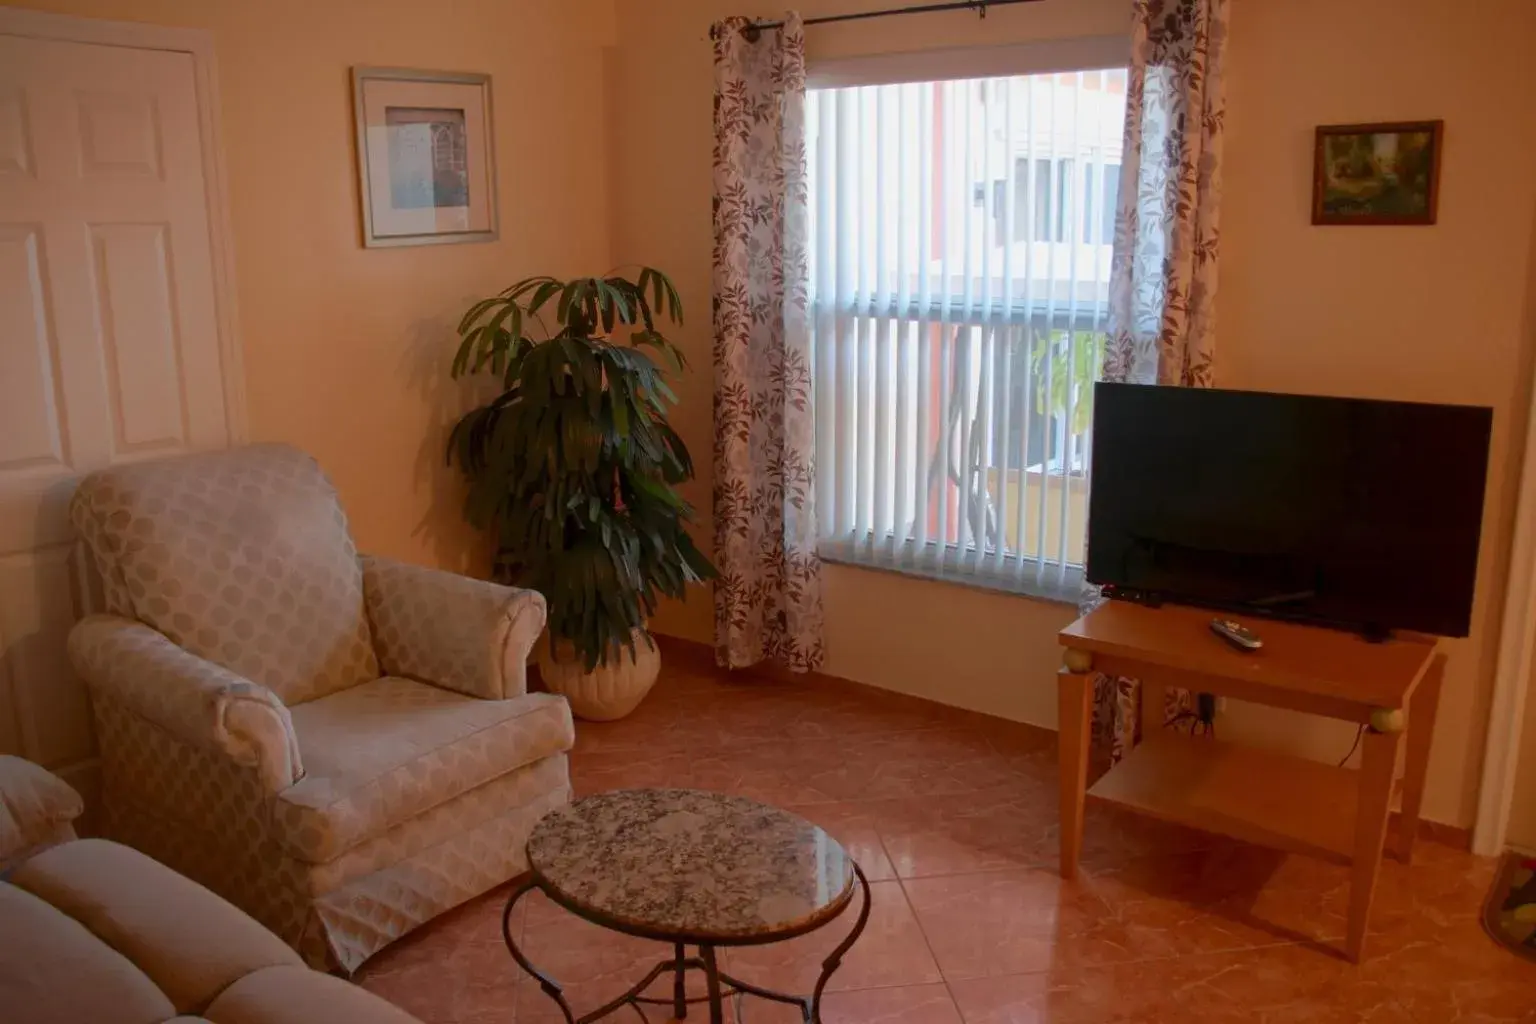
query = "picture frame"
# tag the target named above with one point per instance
(1377, 174)
(426, 161)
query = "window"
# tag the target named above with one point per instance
(961, 238)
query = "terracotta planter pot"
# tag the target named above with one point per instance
(612, 690)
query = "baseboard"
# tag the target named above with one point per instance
(700, 657)
(1454, 836)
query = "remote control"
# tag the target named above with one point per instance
(1236, 634)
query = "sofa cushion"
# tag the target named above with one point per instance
(54, 971)
(190, 943)
(241, 557)
(36, 810)
(294, 995)
(378, 754)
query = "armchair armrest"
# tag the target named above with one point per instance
(200, 703)
(452, 631)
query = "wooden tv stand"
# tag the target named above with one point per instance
(1337, 814)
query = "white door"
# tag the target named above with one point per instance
(109, 340)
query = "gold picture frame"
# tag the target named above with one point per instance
(1386, 173)
(426, 161)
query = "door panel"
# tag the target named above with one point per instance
(15, 141)
(119, 135)
(109, 342)
(131, 271)
(33, 439)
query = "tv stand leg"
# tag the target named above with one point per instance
(1074, 695)
(1422, 708)
(1377, 768)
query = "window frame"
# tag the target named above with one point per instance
(966, 563)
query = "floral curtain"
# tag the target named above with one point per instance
(1162, 288)
(768, 595)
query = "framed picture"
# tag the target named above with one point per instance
(426, 168)
(1377, 173)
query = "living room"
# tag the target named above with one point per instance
(603, 142)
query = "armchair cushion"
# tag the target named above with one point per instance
(454, 631)
(381, 753)
(198, 702)
(241, 557)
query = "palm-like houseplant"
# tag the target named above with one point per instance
(573, 469)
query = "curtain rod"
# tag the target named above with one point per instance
(753, 29)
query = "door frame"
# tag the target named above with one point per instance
(198, 43)
(1516, 659)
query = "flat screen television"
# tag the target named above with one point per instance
(1347, 512)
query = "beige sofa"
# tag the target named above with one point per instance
(91, 931)
(342, 747)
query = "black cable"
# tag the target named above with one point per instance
(1353, 747)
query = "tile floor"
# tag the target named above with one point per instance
(953, 816)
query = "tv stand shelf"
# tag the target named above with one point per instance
(1340, 815)
(1253, 795)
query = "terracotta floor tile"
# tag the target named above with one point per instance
(919, 1004)
(1098, 996)
(890, 952)
(788, 773)
(1232, 896)
(1019, 922)
(475, 980)
(591, 964)
(1278, 985)
(1004, 827)
(855, 825)
(597, 772)
(1452, 973)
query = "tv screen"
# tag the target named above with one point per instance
(1342, 511)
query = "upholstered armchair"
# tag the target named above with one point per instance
(343, 747)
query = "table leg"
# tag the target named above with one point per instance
(1074, 691)
(1422, 708)
(680, 985)
(1378, 764)
(712, 982)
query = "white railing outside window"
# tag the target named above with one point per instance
(961, 238)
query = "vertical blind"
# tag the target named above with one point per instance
(961, 238)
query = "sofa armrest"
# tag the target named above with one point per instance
(37, 810)
(200, 703)
(452, 631)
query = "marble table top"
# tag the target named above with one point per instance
(682, 864)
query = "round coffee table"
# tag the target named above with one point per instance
(693, 869)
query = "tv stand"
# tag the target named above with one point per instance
(1391, 688)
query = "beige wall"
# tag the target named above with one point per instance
(1421, 313)
(346, 348)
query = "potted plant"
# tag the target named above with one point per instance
(573, 469)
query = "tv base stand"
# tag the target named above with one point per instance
(1391, 689)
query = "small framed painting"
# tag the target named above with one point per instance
(1377, 173)
(425, 164)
